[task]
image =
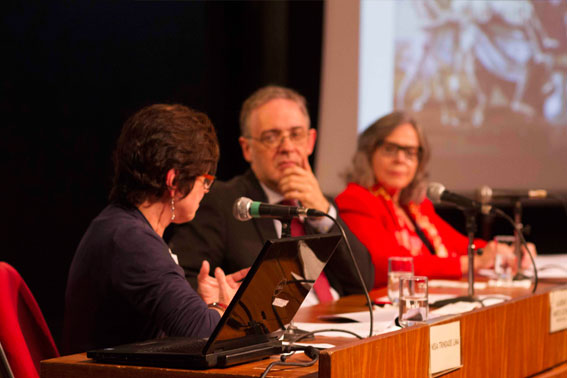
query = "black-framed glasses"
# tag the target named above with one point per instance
(392, 149)
(274, 138)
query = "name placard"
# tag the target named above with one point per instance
(558, 310)
(444, 347)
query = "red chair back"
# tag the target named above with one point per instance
(24, 334)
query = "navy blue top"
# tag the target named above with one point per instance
(124, 286)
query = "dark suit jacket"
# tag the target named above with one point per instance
(216, 236)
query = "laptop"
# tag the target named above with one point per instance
(250, 329)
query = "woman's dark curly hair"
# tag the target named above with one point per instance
(156, 139)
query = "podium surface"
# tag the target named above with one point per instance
(510, 339)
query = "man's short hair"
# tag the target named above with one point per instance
(264, 95)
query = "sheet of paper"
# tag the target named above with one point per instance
(314, 345)
(357, 322)
(462, 307)
(511, 283)
(548, 266)
(433, 297)
(456, 284)
(384, 314)
(361, 329)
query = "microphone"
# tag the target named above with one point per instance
(436, 193)
(245, 209)
(485, 194)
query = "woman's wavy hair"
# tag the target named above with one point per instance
(361, 171)
(156, 139)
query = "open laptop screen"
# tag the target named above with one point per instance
(272, 292)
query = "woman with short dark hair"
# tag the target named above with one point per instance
(124, 283)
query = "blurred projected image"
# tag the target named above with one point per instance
(477, 64)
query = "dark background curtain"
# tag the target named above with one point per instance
(73, 72)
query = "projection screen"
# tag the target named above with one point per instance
(487, 80)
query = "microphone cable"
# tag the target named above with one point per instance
(523, 242)
(309, 334)
(355, 264)
(311, 352)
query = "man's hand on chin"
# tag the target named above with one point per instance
(299, 183)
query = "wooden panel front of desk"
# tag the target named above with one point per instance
(508, 340)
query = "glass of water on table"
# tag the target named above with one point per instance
(414, 307)
(398, 267)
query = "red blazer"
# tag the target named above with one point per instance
(371, 217)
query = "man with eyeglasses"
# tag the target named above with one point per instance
(276, 139)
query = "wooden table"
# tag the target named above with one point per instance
(507, 340)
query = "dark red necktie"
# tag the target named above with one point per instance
(321, 286)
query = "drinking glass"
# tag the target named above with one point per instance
(414, 307)
(397, 267)
(502, 270)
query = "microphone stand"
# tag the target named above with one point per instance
(291, 332)
(517, 241)
(470, 217)
(286, 227)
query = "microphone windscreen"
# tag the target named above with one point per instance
(434, 191)
(241, 209)
(484, 194)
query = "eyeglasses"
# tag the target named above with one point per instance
(208, 181)
(274, 138)
(391, 150)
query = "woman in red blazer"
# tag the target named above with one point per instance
(385, 207)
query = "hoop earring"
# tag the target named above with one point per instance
(172, 209)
